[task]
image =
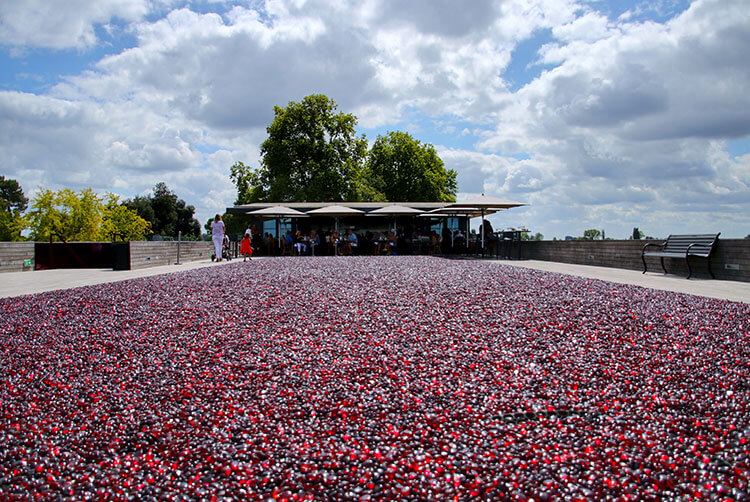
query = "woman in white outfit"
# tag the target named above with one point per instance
(217, 234)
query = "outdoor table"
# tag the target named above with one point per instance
(337, 245)
(313, 244)
(510, 238)
(310, 243)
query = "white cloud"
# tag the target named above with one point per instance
(55, 25)
(633, 113)
(628, 118)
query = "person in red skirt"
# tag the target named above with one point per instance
(246, 249)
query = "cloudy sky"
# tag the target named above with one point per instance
(598, 114)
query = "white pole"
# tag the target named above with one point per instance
(278, 232)
(481, 228)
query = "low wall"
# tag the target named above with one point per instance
(13, 255)
(49, 255)
(729, 261)
(144, 254)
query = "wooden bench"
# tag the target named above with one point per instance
(683, 246)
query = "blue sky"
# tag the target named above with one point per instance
(597, 114)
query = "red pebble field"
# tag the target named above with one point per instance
(373, 378)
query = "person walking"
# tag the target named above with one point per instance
(246, 250)
(217, 235)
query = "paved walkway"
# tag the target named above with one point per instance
(712, 288)
(38, 281)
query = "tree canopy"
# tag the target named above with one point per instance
(312, 153)
(120, 222)
(13, 203)
(403, 169)
(167, 213)
(66, 215)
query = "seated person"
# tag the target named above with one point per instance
(289, 243)
(269, 244)
(314, 241)
(435, 243)
(459, 240)
(351, 242)
(379, 241)
(389, 246)
(333, 243)
(300, 243)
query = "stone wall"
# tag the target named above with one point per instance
(14, 254)
(145, 254)
(729, 261)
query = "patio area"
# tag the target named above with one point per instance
(373, 378)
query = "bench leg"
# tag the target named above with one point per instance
(662, 266)
(643, 259)
(690, 270)
(709, 268)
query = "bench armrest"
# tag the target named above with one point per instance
(705, 250)
(652, 244)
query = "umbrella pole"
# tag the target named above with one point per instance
(468, 233)
(278, 234)
(481, 228)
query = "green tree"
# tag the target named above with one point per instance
(164, 204)
(526, 236)
(312, 153)
(186, 222)
(403, 169)
(118, 221)
(12, 205)
(66, 215)
(248, 183)
(141, 204)
(167, 213)
(591, 234)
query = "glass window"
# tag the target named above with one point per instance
(269, 226)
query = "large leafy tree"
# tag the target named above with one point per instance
(141, 204)
(167, 213)
(120, 222)
(248, 182)
(12, 205)
(66, 215)
(312, 153)
(164, 204)
(404, 169)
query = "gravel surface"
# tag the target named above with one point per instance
(373, 378)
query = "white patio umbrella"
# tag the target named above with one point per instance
(278, 212)
(394, 210)
(335, 210)
(486, 203)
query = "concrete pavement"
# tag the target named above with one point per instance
(38, 281)
(712, 288)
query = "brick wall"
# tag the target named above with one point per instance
(729, 261)
(145, 254)
(13, 255)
